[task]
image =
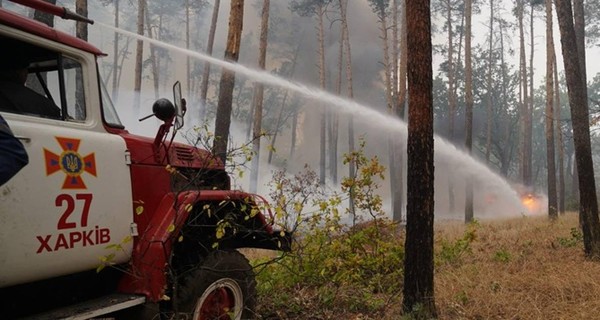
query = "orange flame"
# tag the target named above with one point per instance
(531, 202)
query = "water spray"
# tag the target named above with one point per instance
(463, 163)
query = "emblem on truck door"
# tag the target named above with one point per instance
(70, 162)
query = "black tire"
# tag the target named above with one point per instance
(222, 287)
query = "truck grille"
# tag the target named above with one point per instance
(184, 154)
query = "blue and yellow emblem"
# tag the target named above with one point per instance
(70, 162)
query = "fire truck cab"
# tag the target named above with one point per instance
(102, 221)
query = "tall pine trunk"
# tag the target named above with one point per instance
(116, 68)
(153, 57)
(529, 118)
(258, 97)
(232, 53)
(488, 140)
(560, 141)
(209, 50)
(81, 7)
(43, 17)
(451, 99)
(278, 124)
(139, 53)
(401, 111)
(588, 202)
(550, 154)
(350, 89)
(523, 100)
(505, 116)
(323, 126)
(419, 298)
(469, 108)
(579, 21)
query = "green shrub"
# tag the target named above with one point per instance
(502, 255)
(452, 252)
(354, 266)
(575, 239)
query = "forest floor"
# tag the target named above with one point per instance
(523, 268)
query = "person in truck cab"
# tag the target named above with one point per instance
(16, 97)
(12, 153)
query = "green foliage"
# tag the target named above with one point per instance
(575, 239)
(462, 297)
(452, 252)
(355, 267)
(363, 187)
(502, 255)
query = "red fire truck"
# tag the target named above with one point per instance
(103, 223)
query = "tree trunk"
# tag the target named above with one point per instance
(188, 76)
(550, 154)
(153, 57)
(280, 115)
(206, 71)
(396, 158)
(389, 89)
(350, 89)
(419, 299)
(258, 97)
(451, 99)
(400, 112)
(232, 53)
(579, 20)
(523, 101)
(333, 123)
(139, 53)
(529, 115)
(588, 204)
(115, 89)
(294, 134)
(386, 60)
(468, 108)
(44, 17)
(323, 130)
(488, 141)
(506, 118)
(81, 32)
(561, 143)
(81, 7)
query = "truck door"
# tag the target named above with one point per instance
(59, 214)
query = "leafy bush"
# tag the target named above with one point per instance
(575, 239)
(502, 255)
(452, 252)
(353, 266)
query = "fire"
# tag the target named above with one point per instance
(532, 202)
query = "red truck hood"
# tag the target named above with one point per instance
(143, 151)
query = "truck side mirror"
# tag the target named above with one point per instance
(180, 105)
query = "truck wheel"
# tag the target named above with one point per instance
(222, 287)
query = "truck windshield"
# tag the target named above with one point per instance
(108, 109)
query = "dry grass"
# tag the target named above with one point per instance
(541, 279)
(517, 269)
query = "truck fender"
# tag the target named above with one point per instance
(153, 247)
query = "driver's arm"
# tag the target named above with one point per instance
(13, 156)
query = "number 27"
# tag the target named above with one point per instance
(69, 201)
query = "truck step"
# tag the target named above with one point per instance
(92, 308)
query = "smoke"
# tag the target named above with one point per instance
(493, 196)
